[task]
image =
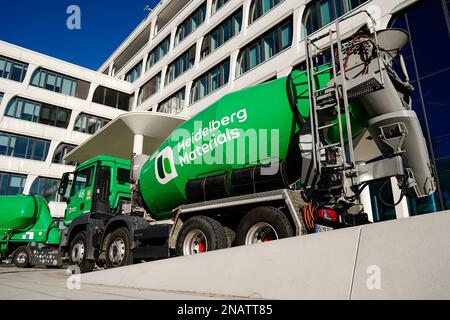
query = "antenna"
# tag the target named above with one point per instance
(148, 8)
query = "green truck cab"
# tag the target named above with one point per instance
(101, 184)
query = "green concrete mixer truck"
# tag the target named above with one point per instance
(269, 162)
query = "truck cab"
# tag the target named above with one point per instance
(95, 194)
(100, 185)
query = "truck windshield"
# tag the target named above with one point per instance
(82, 180)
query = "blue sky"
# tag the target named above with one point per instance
(40, 25)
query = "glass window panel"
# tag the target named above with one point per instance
(20, 147)
(2, 67)
(62, 119)
(326, 12)
(226, 72)
(50, 82)
(58, 84)
(286, 36)
(227, 31)
(7, 70)
(4, 144)
(28, 111)
(16, 73)
(67, 87)
(36, 78)
(16, 185)
(11, 109)
(42, 79)
(253, 55)
(269, 45)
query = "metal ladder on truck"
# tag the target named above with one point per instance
(334, 98)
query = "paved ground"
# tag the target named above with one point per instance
(51, 284)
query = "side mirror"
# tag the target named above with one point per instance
(66, 199)
(64, 183)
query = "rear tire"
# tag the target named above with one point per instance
(118, 251)
(22, 258)
(77, 253)
(200, 234)
(263, 224)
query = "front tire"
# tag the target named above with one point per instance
(77, 254)
(118, 252)
(22, 258)
(200, 234)
(262, 225)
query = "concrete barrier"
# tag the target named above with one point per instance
(406, 258)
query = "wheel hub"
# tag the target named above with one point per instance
(261, 232)
(77, 253)
(195, 243)
(117, 251)
(21, 257)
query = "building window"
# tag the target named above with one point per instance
(60, 83)
(190, 24)
(180, 65)
(265, 47)
(12, 69)
(1, 97)
(212, 80)
(89, 124)
(174, 104)
(217, 4)
(34, 111)
(47, 188)
(150, 88)
(158, 53)
(222, 33)
(134, 73)
(19, 146)
(112, 98)
(61, 151)
(258, 8)
(11, 184)
(429, 73)
(319, 13)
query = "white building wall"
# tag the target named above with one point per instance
(279, 65)
(31, 168)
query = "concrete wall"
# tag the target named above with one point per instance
(406, 258)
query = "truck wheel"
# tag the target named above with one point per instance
(77, 254)
(22, 258)
(261, 225)
(200, 234)
(118, 253)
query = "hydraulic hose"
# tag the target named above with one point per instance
(292, 97)
(380, 197)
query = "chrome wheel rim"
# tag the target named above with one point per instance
(117, 251)
(261, 232)
(21, 257)
(77, 253)
(195, 243)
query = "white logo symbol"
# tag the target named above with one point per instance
(165, 170)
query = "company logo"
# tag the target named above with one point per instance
(165, 167)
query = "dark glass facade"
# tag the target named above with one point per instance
(428, 62)
(19, 146)
(38, 112)
(46, 187)
(11, 184)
